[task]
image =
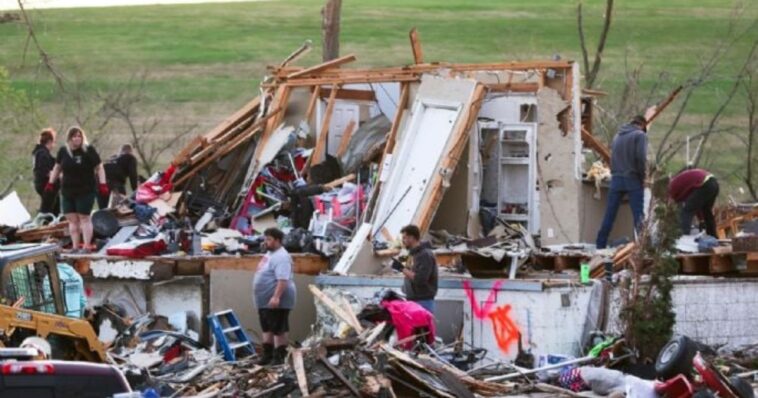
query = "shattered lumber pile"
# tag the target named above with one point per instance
(350, 359)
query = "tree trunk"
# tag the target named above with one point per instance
(330, 29)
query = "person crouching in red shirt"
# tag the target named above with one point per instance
(696, 190)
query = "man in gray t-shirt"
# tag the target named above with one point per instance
(275, 294)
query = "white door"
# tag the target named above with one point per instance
(343, 114)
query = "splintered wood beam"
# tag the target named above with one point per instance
(418, 54)
(345, 141)
(350, 95)
(245, 112)
(222, 149)
(591, 142)
(402, 104)
(320, 149)
(323, 66)
(335, 308)
(297, 364)
(184, 155)
(312, 104)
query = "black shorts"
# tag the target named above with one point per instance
(79, 204)
(274, 320)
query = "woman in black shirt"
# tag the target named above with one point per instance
(43, 163)
(79, 163)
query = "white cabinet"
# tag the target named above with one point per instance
(510, 150)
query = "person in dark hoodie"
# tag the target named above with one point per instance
(118, 169)
(43, 162)
(420, 284)
(628, 169)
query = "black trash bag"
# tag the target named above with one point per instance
(104, 223)
(298, 240)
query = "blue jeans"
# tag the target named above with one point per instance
(620, 186)
(427, 304)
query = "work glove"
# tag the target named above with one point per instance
(49, 187)
(103, 190)
(397, 265)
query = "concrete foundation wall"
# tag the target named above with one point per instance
(550, 320)
(712, 311)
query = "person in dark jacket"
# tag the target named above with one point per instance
(118, 169)
(82, 170)
(420, 284)
(696, 190)
(42, 164)
(628, 169)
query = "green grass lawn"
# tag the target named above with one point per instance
(203, 61)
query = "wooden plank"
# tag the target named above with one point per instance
(312, 104)
(392, 136)
(245, 112)
(319, 153)
(591, 142)
(514, 87)
(306, 264)
(184, 155)
(720, 264)
(695, 264)
(349, 94)
(418, 54)
(459, 137)
(297, 364)
(228, 146)
(323, 81)
(335, 308)
(345, 141)
(389, 146)
(323, 66)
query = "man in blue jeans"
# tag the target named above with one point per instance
(628, 165)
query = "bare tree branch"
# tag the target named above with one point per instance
(592, 76)
(42, 54)
(582, 42)
(732, 92)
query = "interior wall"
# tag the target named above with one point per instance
(452, 214)
(559, 187)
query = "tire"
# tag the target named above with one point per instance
(675, 358)
(742, 387)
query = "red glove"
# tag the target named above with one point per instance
(103, 189)
(49, 187)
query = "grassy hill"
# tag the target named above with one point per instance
(200, 62)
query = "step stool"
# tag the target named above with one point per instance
(229, 335)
